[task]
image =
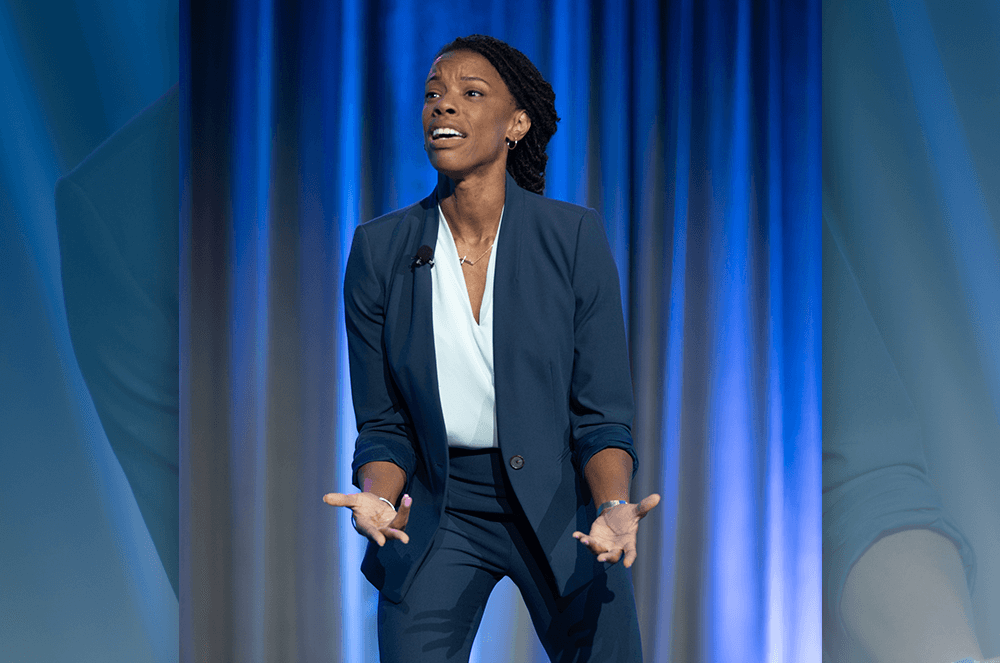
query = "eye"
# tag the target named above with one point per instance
(430, 95)
(474, 93)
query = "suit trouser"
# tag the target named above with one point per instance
(483, 537)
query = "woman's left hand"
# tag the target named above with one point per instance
(612, 534)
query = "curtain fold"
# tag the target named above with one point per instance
(692, 127)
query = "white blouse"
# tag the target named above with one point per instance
(463, 349)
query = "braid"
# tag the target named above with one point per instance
(532, 93)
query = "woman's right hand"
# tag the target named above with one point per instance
(375, 518)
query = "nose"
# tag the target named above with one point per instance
(444, 105)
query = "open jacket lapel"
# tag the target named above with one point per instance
(505, 303)
(421, 356)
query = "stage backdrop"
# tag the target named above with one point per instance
(693, 127)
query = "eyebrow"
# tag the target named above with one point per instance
(435, 77)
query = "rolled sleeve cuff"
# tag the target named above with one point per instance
(605, 437)
(382, 449)
(861, 511)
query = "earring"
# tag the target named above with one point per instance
(511, 144)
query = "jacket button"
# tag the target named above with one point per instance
(517, 462)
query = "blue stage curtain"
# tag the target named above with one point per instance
(693, 127)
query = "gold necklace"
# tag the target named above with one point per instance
(464, 260)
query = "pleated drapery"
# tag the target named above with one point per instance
(692, 127)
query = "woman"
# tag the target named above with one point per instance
(491, 384)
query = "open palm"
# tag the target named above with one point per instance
(374, 518)
(612, 535)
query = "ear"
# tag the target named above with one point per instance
(519, 126)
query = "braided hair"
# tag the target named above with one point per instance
(532, 93)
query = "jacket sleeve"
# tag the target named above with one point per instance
(875, 475)
(601, 407)
(384, 432)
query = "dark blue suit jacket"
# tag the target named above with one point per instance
(563, 389)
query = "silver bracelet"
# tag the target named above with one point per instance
(608, 504)
(354, 523)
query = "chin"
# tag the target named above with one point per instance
(453, 168)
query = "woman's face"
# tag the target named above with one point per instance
(468, 115)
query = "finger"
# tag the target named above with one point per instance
(375, 535)
(589, 543)
(611, 556)
(403, 515)
(648, 505)
(585, 540)
(369, 531)
(630, 555)
(339, 499)
(399, 535)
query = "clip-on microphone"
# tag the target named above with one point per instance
(425, 256)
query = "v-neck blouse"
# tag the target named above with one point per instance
(463, 348)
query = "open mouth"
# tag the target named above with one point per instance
(446, 134)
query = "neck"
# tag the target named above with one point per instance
(472, 207)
